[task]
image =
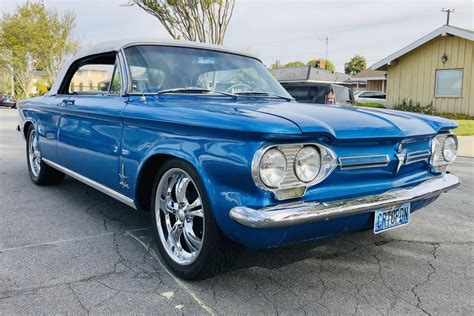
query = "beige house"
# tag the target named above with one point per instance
(371, 80)
(437, 69)
(91, 78)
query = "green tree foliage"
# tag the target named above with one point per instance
(34, 38)
(42, 86)
(295, 64)
(276, 65)
(355, 65)
(204, 21)
(329, 65)
(61, 43)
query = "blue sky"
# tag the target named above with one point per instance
(283, 29)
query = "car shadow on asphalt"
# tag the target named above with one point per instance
(118, 218)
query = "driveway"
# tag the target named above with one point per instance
(466, 146)
(71, 249)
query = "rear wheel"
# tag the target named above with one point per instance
(188, 237)
(40, 172)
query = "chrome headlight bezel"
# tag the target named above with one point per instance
(299, 167)
(291, 186)
(445, 144)
(438, 161)
(281, 165)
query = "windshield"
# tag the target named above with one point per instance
(308, 94)
(343, 95)
(155, 69)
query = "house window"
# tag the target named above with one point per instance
(448, 83)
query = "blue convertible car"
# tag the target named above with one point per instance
(209, 143)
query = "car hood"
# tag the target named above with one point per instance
(349, 122)
(288, 118)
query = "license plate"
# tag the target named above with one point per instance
(393, 217)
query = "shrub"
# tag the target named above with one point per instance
(454, 116)
(410, 106)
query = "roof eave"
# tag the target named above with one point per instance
(443, 30)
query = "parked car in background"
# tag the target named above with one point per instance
(320, 93)
(7, 101)
(208, 142)
(371, 97)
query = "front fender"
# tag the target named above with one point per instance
(221, 160)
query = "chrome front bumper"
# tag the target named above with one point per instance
(290, 214)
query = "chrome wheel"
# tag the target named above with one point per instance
(179, 216)
(34, 155)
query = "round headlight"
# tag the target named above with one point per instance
(307, 164)
(450, 149)
(272, 167)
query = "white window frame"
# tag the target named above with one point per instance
(461, 70)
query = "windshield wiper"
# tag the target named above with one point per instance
(263, 94)
(195, 90)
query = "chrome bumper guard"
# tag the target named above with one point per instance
(284, 215)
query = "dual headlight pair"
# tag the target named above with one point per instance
(444, 149)
(288, 170)
(273, 166)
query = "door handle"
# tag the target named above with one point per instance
(68, 102)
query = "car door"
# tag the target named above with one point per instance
(90, 126)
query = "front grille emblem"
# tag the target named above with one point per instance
(399, 148)
(401, 161)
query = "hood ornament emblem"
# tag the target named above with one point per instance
(401, 156)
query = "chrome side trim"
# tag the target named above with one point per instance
(291, 214)
(417, 156)
(361, 162)
(112, 193)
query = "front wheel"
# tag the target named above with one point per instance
(40, 172)
(188, 237)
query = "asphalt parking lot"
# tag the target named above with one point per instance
(71, 249)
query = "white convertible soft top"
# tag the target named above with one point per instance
(117, 45)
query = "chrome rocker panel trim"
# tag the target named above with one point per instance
(290, 214)
(116, 195)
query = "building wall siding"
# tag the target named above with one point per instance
(374, 85)
(413, 77)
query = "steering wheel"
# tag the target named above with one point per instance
(238, 85)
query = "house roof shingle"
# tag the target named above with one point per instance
(370, 74)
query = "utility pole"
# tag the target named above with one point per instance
(448, 13)
(327, 43)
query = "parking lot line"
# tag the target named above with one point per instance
(69, 240)
(180, 283)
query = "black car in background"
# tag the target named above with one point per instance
(321, 93)
(7, 101)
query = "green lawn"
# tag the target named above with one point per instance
(371, 105)
(466, 128)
